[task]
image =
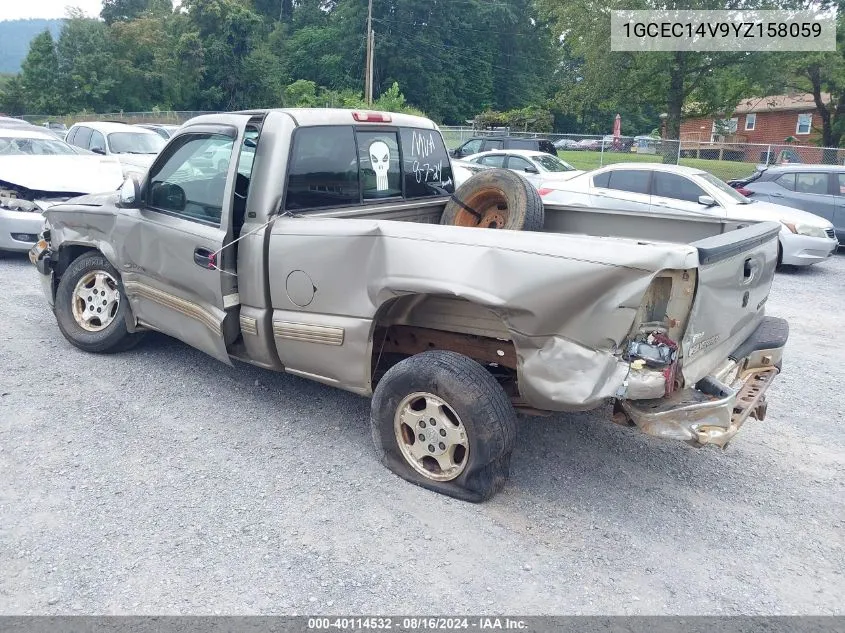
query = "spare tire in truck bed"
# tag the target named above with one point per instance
(496, 199)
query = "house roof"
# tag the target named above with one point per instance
(775, 103)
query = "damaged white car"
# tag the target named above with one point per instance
(37, 170)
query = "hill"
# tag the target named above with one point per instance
(15, 36)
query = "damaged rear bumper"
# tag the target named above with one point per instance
(714, 410)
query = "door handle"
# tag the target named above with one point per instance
(775, 194)
(205, 258)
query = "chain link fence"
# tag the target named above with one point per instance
(726, 160)
(168, 117)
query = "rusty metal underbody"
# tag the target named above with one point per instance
(700, 418)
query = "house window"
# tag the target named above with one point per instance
(750, 121)
(723, 127)
(804, 123)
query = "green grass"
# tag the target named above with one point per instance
(724, 169)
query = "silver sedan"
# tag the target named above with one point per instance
(679, 204)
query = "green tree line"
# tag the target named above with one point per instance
(543, 65)
(451, 58)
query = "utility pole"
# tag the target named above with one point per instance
(368, 79)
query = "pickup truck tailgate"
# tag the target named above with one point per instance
(734, 279)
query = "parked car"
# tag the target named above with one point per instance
(817, 189)
(566, 143)
(489, 143)
(133, 146)
(672, 202)
(537, 167)
(59, 129)
(447, 327)
(163, 130)
(37, 170)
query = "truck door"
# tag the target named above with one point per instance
(178, 279)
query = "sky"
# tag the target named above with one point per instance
(15, 9)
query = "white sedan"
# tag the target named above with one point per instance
(537, 167)
(678, 204)
(37, 170)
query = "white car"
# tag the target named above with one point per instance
(676, 203)
(537, 167)
(135, 147)
(37, 170)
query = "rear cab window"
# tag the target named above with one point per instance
(341, 165)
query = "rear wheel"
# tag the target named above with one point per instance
(91, 306)
(441, 421)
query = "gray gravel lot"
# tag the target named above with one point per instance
(162, 481)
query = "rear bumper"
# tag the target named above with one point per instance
(803, 250)
(714, 410)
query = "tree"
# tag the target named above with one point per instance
(87, 73)
(125, 10)
(711, 82)
(821, 74)
(40, 75)
(11, 97)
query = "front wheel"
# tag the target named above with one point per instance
(441, 421)
(91, 306)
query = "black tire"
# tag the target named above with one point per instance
(114, 337)
(496, 199)
(479, 403)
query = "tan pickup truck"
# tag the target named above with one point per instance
(310, 241)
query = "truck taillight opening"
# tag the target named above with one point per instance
(371, 117)
(745, 192)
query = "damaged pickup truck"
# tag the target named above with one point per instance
(318, 249)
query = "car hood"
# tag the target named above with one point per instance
(73, 173)
(136, 160)
(759, 210)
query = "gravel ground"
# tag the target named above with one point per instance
(162, 481)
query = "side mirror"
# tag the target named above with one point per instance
(99, 150)
(130, 194)
(531, 170)
(707, 201)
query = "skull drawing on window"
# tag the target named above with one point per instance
(380, 160)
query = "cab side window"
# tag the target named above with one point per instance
(323, 169)
(188, 183)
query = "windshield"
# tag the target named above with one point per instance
(135, 143)
(725, 188)
(34, 146)
(552, 163)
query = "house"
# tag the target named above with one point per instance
(761, 120)
(764, 122)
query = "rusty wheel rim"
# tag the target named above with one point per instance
(95, 301)
(490, 207)
(431, 436)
